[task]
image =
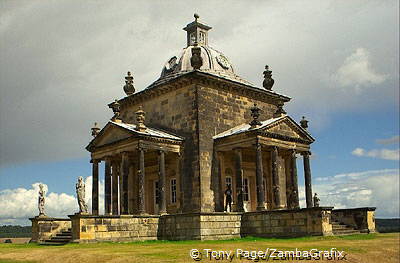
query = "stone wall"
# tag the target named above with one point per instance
(220, 110)
(176, 112)
(45, 227)
(218, 226)
(362, 218)
(202, 226)
(287, 223)
(88, 228)
(180, 227)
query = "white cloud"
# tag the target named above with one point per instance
(356, 71)
(386, 154)
(392, 140)
(17, 205)
(379, 188)
(358, 152)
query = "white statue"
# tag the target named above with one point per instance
(80, 194)
(41, 200)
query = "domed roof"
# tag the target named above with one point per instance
(213, 62)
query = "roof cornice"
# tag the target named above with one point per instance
(192, 77)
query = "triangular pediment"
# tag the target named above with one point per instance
(287, 127)
(110, 134)
(118, 131)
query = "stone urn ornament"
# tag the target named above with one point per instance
(268, 80)
(80, 195)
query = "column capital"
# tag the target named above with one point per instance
(257, 143)
(305, 153)
(159, 151)
(237, 149)
(219, 154)
(274, 148)
(95, 160)
(140, 147)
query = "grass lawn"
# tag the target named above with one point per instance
(359, 248)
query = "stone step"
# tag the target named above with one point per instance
(64, 234)
(337, 223)
(46, 243)
(346, 232)
(61, 237)
(341, 227)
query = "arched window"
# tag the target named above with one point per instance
(228, 177)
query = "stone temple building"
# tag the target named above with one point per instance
(171, 150)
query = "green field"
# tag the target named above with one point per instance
(358, 248)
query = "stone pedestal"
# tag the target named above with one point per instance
(43, 227)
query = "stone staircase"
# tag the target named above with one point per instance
(340, 229)
(60, 238)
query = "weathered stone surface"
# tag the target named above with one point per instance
(45, 227)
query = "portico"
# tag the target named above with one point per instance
(259, 160)
(141, 170)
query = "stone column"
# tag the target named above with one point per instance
(295, 190)
(162, 202)
(115, 180)
(95, 187)
(259, 178)
(216, 182)
(179, 168)
(276, 188)
(125, 183)
(107, 187)
(220, 189)
(307, 178)
(141, 177)
(239, 180)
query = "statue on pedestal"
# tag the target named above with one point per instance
(228, 199)
(41, 200)
(316, 200)
(80, 195)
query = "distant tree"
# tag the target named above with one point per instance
(15, 231)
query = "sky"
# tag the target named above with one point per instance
(62, 62)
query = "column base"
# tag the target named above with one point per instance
(260, 208)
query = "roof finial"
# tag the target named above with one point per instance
(304, 123)
(95, 130)
(255, 113)
(129, 88)
(279, 111)
(196, 16)
(268, 80)
(116, 108)
(140, 117)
